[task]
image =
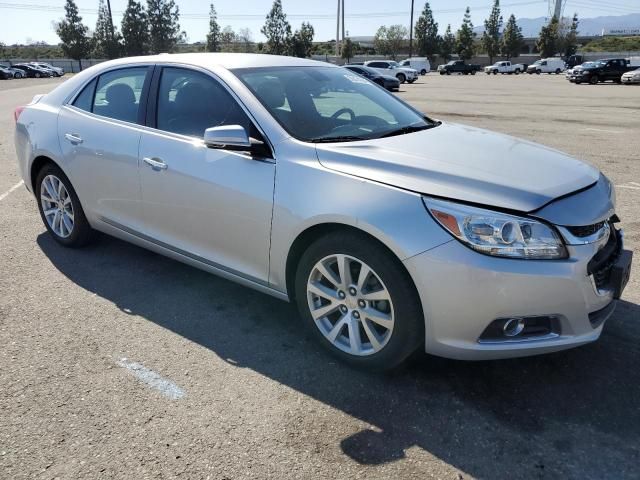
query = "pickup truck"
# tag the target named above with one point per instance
(602, 71)
(505, 67)
(458, 66)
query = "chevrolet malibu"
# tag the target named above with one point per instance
(391, 231)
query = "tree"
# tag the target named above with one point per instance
(302, 41)
(465, 37)
(426, 33)
(549, 39)
(512, 40)
(277, 30)
(389, 41)
(448, 44)
(227, 39)
(73, 34)
(348, 50)
(570, 38)
(164, 25)
(106, 41)
(245, 38)
(491, 35)
(135, 34)
(213, 37)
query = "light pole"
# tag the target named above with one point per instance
(411, 32)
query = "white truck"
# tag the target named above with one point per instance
(421, 64)
(547, 65)
(505, 67)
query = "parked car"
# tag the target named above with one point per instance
(391, 231)
(32, 71)
(505, 67)
(57, 71)
(458, 66)
(389, 67)
(421, 64)
(547, 65)
(17, 73)
(630, 77)
(5, 74)
(610, 69)
(574, 60)
(385, 81)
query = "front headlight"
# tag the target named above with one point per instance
(497, 234)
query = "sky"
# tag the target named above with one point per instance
(26, 21)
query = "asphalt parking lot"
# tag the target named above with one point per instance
(118, 363)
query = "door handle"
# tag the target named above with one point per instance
(74, 138)
(155, 163)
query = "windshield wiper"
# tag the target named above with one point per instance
(409, 129)
(341, 138)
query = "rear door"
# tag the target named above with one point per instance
(211, 205)
(99, 133)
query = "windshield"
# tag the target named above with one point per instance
(395, 64)
(322, 104)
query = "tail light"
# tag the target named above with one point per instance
(17, 112)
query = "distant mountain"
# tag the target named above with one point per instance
(587, 27)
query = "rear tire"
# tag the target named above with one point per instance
(60, 208)
(359, 340)
(423, 72)
(37, 75)
(473, 72)
(594, 80)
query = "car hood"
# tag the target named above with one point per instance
(389, 78)
(464, 163)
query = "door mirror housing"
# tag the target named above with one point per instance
(227, 136)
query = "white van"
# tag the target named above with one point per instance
(421, 64)
(547, 65)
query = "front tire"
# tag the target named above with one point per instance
(401, 78)
(358, 301)
(37, 75)
(594, 80)
(60, 208)
(423, 71)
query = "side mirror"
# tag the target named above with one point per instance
(228, 136)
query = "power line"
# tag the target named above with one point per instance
(239, 16)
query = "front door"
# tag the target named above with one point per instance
(212, 205)
(106, 170)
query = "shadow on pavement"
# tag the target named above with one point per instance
(574, 414)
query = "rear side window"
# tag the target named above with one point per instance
(189, 102)
(118, 94)
(85, 99)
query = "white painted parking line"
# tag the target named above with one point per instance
(630, 186)
(602, 130)
(15, 187)
(153, 379)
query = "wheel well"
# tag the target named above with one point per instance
(36, 166)
(310, 235)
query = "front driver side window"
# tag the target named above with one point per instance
(189, 102)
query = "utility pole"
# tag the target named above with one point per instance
(338, 32)
(113, 35)
(343, 21)
(558, 9)
(411, 32)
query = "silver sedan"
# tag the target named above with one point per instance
(390, 230)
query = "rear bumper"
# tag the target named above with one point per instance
(463, 292)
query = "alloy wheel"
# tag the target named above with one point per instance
(350, 305)
(57, 206)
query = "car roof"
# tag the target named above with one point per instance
(229, 61)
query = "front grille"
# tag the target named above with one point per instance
(586, 230)
(602, 262)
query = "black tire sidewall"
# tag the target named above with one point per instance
(82, 231)
(408, 331)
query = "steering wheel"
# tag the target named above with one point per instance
(344, 110)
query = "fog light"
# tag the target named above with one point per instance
(513, 327)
